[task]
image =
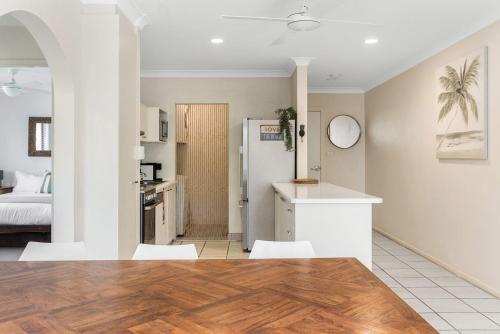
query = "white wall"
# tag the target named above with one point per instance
(82, 47)
(345, 168)
(14, 115)
(258, 98)
(448, 210)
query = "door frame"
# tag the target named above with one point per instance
(321, 138)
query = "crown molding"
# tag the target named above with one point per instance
(129, 8)
(421, 57)
(215, 74)
(335, 90)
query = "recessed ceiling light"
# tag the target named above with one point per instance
(217, 40)
(371, 41)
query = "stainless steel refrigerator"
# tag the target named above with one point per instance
(263, 160)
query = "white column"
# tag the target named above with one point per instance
(301, 91)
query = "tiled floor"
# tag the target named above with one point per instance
(447, 302)
(217, 249)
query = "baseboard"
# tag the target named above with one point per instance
(448, 267)
(234, 236)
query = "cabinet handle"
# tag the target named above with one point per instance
(289, 210)
(282, 199)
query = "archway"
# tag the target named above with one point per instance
(64, 105)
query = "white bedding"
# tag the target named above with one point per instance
(25, 209)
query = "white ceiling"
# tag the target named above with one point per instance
(178, 41)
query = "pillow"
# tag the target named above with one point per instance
(46, 187)
(27, 183)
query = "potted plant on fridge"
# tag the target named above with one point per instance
(285, 116)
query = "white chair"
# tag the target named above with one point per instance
(282, 250)
(164, 252)
(63, 251)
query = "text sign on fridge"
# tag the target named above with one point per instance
(271, 133)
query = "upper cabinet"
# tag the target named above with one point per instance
(154, 125)
(181, 123)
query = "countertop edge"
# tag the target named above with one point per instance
(367, 199)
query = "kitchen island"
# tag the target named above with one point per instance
(336, 220)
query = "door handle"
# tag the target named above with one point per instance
(316, 168)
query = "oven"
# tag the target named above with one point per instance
(150, 203)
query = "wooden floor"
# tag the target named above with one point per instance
(204, 296)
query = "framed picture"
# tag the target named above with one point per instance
(463, 108)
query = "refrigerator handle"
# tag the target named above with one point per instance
(240, 167)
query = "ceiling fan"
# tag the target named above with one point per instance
(297, 21)
(12, 88)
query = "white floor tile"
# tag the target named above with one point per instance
(390, 282)
(417, 305)
(403, 293)
(473, 321)
(468, 292)
(436, 321)
(448, 305)
(416, 282)
(430, 293)
(411, 257)
(405, 272)
(435, 272)
(392, 265)
(422, 265)
(379, 252)
(494, 316)
(449, 332)
(484, 305)
(450, 281)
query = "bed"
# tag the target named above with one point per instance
(25, 217)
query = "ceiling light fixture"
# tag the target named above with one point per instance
(371, 41)
(217, 40)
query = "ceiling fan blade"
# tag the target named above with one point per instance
(352, 22)
(35, 90)
(255, 18)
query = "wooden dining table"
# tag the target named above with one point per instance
(203, 296)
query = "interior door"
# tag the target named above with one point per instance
(314, 144)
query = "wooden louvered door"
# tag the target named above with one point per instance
(202, 156)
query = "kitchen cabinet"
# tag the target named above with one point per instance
(181, 131)
(151, 124)
(337, 221)
(284, 219)
(165, 214)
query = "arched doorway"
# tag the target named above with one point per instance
(63, 104)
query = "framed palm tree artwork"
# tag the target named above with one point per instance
(462, 108)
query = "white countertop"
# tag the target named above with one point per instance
(323, 193)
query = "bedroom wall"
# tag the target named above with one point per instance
(14, 114)
(447, 210)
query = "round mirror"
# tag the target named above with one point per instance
(344, 131)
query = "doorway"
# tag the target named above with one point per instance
(26, 134)
(202, 170)
(314, 144)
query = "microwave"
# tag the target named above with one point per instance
(163, 126)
